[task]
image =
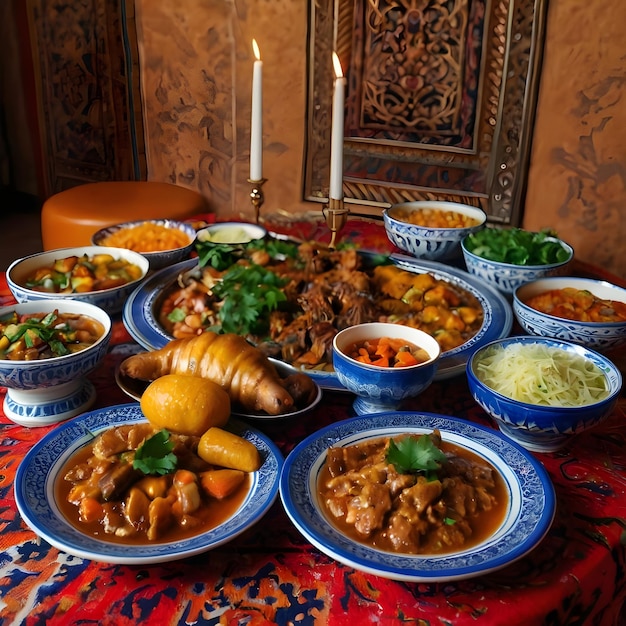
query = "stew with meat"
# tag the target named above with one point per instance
(103, 494)
(394, 508)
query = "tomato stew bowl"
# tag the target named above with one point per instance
(112, 300)
(600, 335)
(380, 389)
(539, 427)
(507, 277)
(157, 258)
(432, 243)
(46, 391)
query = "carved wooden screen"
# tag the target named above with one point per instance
(440, 100)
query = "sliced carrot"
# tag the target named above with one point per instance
(90, 510)
(404, 358)
(222, 482)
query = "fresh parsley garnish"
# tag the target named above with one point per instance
(248, 293)
(415, 455)
(155, 456)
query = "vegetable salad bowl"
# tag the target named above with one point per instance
(111, 299)
(598, 335)
(506, 258)
(380, 389)
(513, 378)
(431, 242)
(49, 390)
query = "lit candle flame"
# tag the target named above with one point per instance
(337, 66)
(255, 49)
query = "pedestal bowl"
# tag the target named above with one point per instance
(44, 391)
(383, 388)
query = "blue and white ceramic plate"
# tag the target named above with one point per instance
(528, 517)
(40, 469)
(141, 322)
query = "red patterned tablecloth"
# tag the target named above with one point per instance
(271, 575)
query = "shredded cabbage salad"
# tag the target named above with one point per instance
(538, 374)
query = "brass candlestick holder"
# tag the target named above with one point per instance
(256, 196)
(336, 214)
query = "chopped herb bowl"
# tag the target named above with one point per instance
(506, 258)
(541, 391)
(377, 388)
(52, 277)
(437, 237)
(45, 391)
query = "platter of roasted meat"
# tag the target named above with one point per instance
(291, 299)
(417, 497)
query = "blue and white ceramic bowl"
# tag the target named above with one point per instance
(600, 336)
(507, 277)
(111, 300)
(377, 388)
(48, 391)
(542, 428)
(430, 243)
(161, 258)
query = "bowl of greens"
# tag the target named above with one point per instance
(507, 258)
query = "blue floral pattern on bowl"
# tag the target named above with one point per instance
(507, 277)
(543, 428)
(600, 336)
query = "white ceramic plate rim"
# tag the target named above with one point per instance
(139, 319)
(36, 475)
(529, 516)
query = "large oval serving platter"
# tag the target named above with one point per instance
(528, 517)
(141, 321)
(39, 470)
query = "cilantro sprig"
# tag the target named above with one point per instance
(416, 455)
(155, 456)
(248, 294)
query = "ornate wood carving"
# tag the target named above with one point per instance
(440, 99)
(88, 91)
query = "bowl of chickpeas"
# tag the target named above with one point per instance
(432, 230)
(163, 242)
(97, 275)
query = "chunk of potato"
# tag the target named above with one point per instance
(225, 449)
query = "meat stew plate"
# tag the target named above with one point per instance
(41, 468)
(140, 314)
(529, 515)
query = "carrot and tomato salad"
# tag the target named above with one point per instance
(387, 352)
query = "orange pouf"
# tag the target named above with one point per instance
(71, 217)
